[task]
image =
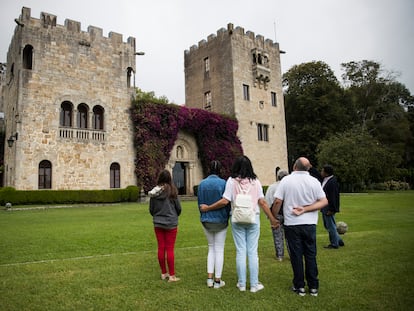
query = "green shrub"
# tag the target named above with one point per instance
(27, 197)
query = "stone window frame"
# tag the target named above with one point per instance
(98, 117)
(262, 132)
(45, 175)
(66, 114)
(28, 57)
(246, 92)
(115, 175)
(82, 116)
(273, 99)
(207, 100)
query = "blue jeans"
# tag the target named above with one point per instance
(246, 240)
(330, 226)
(302, 245)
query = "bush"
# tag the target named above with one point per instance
(390, 185)
(27, 197)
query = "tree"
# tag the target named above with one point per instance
(315, 107)
(358, 158)
(379, 104)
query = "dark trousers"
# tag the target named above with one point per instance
(302, 250)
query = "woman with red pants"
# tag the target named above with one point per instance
(165, 208)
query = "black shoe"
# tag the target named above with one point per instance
(330, 246)
(313, 292)
(341, 243)
(299, 291)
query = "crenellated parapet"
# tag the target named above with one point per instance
(237, 33)
(49, 21)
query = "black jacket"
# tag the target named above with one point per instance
(331, 189)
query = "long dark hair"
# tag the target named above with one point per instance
(242, 167)
(165, 180)
(215, 167)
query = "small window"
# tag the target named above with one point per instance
(66, 114)
(98, 118)
(246, 92)
(28, 57)
(262, 132)
(115, 175)
(82, 116)
(206, 67)
(129, 76)
(45, 175)
(207, 100)
(274, 99)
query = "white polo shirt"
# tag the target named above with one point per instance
(299, 189)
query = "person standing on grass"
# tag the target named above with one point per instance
(331, 187)
(302, 196)
(245, 236)
(278, 236)
(165, 208)
(214, 223)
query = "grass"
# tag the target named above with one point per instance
(104, 258)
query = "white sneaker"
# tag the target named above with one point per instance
(210, 282)
(256, 288)
(219, 284)
(241, 288)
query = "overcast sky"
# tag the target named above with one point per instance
(332, 31)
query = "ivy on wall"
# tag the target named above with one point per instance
(156, 127)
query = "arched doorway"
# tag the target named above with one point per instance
(179, 177)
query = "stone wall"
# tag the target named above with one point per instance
(230, 53)
(80, 67)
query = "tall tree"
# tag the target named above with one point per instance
(314, 107)
(358, 158)
(379, 103)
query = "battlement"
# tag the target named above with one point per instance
(237, 32)
(49, 21)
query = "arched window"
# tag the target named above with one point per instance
(66, 114)
(129, 76)
(98, 118)
(45, 175)
(82, 116)
(28, 57)
(115, 175)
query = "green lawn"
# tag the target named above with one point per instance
(104, 258)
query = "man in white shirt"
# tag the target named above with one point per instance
(302, 197)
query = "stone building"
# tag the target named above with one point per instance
(238, 74)
(66, 97)
(67, 94)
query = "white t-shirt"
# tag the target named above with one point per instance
(299, 189)
(256, 190)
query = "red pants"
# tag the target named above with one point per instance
(166, 242)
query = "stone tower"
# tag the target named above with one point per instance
(239, 74)
(67, 95)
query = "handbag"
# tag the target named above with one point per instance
(243, 211)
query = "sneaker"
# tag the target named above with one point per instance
(313, 292)
(173, 278)
(210, 283)
(241, 288)
(341, 243)
(256, 288)
(279, 258)
(165, 276)
(219, 284)
(330, 246)
(299, 291)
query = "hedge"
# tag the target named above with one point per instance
(27, 197)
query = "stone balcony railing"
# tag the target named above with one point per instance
(82, 134)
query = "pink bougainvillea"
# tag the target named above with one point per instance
(156, 128)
